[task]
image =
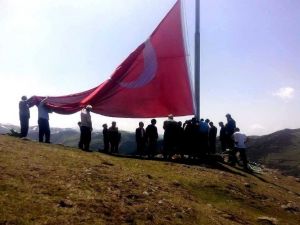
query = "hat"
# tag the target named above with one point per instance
(89, 107)
(170, 116)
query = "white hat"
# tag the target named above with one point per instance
(170, 116)
(89, 107)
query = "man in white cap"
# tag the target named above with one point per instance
(86, 127)
(169, 143)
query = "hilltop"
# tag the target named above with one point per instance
(54, 184)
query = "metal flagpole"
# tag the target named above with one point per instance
(197, 60)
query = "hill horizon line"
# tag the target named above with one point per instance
(3, 125)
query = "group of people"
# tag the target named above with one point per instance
(43, 119)
(195, 138)
(111, 135)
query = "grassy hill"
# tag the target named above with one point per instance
(280, 150)
(53, 184)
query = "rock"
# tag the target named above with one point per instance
(178, 215)
(297, 179)
(129, 179)
(66, 203)
(160, 202)
(247, 185)
(291, 207)
(227, 216)
(176, 183)
(149, 176)
(107, 163)
(265, 220)
(150, 217)
(146, 193)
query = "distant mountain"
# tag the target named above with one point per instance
(280, 150)
(70, 137)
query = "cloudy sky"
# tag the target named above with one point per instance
(250, 55)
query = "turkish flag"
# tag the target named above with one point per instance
(153, 81)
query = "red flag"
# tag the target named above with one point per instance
(152, 82)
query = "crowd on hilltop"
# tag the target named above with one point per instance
(194, 138)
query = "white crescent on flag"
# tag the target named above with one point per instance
(150, 68)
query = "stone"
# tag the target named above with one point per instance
(290, 207)
(176, 183)
(265, 220)
(66, 203)
(247, 185)
(149, 176)
(146, 193)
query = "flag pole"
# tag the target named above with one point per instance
(197, 59)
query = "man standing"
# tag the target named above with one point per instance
(222, 136)
(43, 121)
(170, 127)
(239, 146)
(86, 127)
(105, 138)
(152, 136)
(114, 137)
(80, 145)
(24, 114)
(229, 130)
(140, 137)
(212, 136)
(204, 132)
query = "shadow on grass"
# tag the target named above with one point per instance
(208, 161)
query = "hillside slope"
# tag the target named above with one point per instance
(52, 184)
(280, 150)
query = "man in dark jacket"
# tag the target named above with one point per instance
(105, 138)
(140, 137)
(229, 130)
(170, 127)
(212, 136)
(114, 137)
(152, 136)
(24, 114)
(222, 136)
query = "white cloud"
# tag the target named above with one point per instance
(285, 93)
(257, 129)
(257, 126)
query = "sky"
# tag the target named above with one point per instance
(250, 53)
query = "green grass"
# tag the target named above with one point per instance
(35, 180)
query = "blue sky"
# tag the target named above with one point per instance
(250, 55)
